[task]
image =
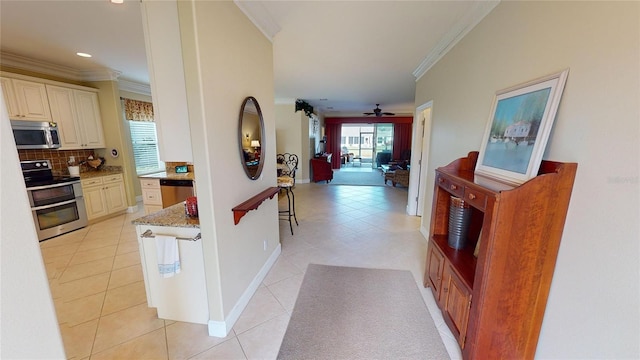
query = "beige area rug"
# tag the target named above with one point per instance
(357, 313)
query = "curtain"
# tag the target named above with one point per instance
(138, 110)
(333, 132)
(401, 140)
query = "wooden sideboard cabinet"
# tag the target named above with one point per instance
(494, 303)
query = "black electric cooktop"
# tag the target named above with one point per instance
(39, 173)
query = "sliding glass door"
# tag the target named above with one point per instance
(384, 144)
(365, 141)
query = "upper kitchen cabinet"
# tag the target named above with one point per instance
(167, 79)
(26, 100)
(77, 113)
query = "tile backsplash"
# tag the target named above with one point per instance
(58, 158)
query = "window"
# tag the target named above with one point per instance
(145, 147)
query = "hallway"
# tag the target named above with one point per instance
(96, 279)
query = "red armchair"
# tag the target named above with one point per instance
(321, 170)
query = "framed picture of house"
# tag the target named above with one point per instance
(518, 129)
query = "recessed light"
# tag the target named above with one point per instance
(117, 1)
(83, 54)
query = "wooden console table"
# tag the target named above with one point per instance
(253, 203)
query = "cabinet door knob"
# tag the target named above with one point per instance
(472, 196)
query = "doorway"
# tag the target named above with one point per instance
(419, 160)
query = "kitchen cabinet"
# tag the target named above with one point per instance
(151, 195)
(494, 303)
(104, 195)
(26, 100)
(77, 113)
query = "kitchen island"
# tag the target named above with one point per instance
(183, 296)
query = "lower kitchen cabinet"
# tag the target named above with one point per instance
(104, 195)
(151, 195)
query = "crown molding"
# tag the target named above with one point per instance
(65, 72)
(452, 37)
(260, 17)
(24, 63)
(134, 87)
(100, 75)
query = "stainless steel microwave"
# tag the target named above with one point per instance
(35, 135)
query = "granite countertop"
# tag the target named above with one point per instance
(92, 174)
(173, 216)
(169, 175)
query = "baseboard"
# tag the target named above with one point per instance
(132, 209)
(222, 328)
(139, 198)
(303, 181)
(425, 232)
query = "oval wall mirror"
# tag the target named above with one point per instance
(251, 130)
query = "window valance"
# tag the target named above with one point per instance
(138, 110)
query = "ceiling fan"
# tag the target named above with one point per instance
(378, 112)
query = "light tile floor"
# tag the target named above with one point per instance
(98, 290)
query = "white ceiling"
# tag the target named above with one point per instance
(352, 53)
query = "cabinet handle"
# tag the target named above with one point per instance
(454, 187)
(441, 180)
(472, 196)
(445, 289)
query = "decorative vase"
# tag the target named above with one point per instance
(459, 217)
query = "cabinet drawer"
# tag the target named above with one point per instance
(91, 182)
(112, 178)
(451, 186)
(150, 183)
(475, 198)
(151, 197)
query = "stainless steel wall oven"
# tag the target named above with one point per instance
(57, 204)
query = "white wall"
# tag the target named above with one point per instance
(28, 323)
(227, 59)
(593, 308)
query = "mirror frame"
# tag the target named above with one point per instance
(241, 137)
